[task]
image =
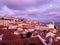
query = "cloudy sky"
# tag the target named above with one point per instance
(42, 10)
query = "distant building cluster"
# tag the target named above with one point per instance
(9, 22)
(18, 29)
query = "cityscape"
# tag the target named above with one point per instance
(29, 22)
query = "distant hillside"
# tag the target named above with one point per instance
(56, 23)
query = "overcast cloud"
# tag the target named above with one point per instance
(42, 10)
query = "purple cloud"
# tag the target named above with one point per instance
(21, 4)
(28, 8)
